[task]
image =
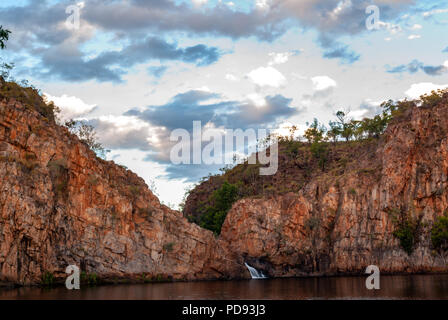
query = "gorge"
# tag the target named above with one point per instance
(61, 205)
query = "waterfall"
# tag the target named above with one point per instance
(254, 273)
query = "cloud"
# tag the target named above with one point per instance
(418, 89)
(267, 76)
(124, 132)
(414, 36)
(149, 129)
(415, 65)
(231, 77)
(71, 107)
(39, 29)
(428, 14)
(69, 63)
(321, 83)
(279, 58)
(445, 50)
(157, 71)
(337, 50)
(196, 105)
(416, 27)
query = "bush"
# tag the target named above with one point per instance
(222, 200)
(29, 97)
(320, 151)
(439, 234)
(47, 279)
(407, 229)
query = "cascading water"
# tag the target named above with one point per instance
(254, 273)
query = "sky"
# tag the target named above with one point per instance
(138, 70)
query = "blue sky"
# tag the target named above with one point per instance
(138, 69)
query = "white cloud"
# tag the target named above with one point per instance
(418, 89)
(433, 12)
(416, 27)
(262, 4)
(321, 83)
(232, 77)
(391, 27)
(414, 36)
(267, 76)
(279, 58)
(71, 107)
(199, 2)
(257, 99)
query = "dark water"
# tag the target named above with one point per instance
(392, 287)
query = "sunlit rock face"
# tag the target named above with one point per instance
(341, 223)
(62, 205)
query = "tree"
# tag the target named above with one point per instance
(315, 132)
(4, 36)
(222, 200)
(439, 236)
(320, 151)
(86, 133)
(5, 68)
(346, 126)
(335, 131)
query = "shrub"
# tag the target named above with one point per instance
(90, 279)
(407, 229)
(439, 234)
(47, 279)
(29, 97)
(221, 202)
(168, 246)
(134, 190)
(320, 151)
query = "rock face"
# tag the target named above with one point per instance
(342, 224)
(61, 205)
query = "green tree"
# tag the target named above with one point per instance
(335, 131)
(315, 132)
(346, 126)
(320, 151)
(439, 236)
(86, 133)
(221, 202)
(4, 36)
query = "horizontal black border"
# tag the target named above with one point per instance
(161, 309)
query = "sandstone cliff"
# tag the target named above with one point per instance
(341, 221)
(62, 205)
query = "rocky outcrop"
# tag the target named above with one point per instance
(343, 223)
(62, 205)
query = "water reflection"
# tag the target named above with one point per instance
(392, 287)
